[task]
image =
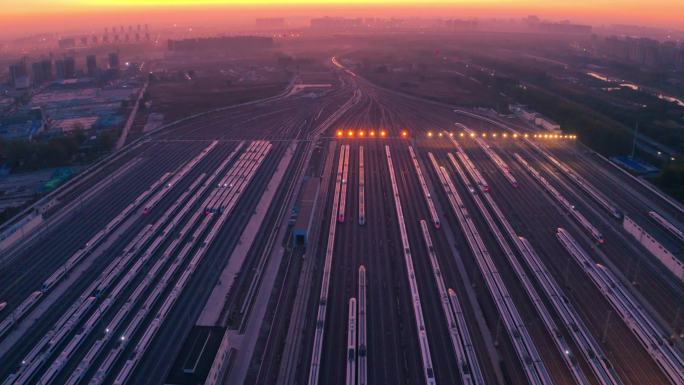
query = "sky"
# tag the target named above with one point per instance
(21, 16)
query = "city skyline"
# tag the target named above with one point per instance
(22, 16)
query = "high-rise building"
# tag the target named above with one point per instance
(46, 69)
(37, 79)
(69, 68)
(114, 60)
(19, 76)
(91, 65)
(59, 69)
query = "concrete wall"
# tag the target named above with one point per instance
(654, 247)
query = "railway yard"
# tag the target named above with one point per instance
(439, 246)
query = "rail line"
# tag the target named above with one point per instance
(570, 208)
(527, 354)
(564, 350)
(667, 225)
(351, 344)
(343, 191)
(315, 365)
(105, 370)
(362, 189)
(363, 333)
(424, 188)
(415, 295)
(465, 368)
(650, 335)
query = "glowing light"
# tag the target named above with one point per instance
(462, 135)
(429, 134)
(404, 134)
(493, 135)
(440, 134)
(505, 135)
(484, 134)
(372, 133)
(362, 133)
(340, 133)
(383, 133)
(515, 135)
(472, 134)
(350, 133)
(451, 134)
(526, 135)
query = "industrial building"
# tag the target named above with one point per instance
(535, 118)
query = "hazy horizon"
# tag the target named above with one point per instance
(39, 16)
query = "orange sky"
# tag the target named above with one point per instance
(31, 15)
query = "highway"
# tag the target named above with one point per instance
(438, 254)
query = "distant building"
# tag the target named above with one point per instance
(461, 24)
(19, 75)
(336, 23)
(221, 43)
(535, 118)
(59, 69)
(547, 124)
(67, 43)
(270, 22)
(566, 28)
(69, 68)
(91, 66)
(113, 61)
(643, 51)
(46, 69)
(37, 74)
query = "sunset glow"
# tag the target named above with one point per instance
(657, 12)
